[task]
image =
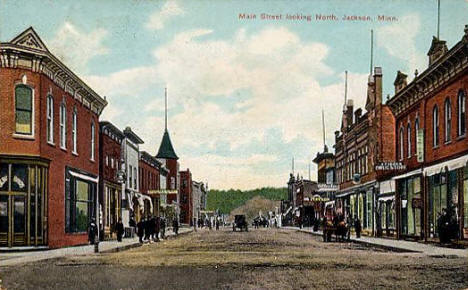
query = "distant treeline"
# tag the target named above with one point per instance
(227, 200)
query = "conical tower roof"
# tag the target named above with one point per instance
(166, 150)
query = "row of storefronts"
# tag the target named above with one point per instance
(60, 166)
(402, 165)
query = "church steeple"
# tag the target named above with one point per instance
(166, 150)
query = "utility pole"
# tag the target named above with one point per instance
(165, 109)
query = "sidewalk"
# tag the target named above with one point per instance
(15, 258)
(398, 245)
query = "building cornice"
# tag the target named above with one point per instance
(27, 51)
(445, 70)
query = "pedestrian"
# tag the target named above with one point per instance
(120, 230)
(163, 228)
(157, 228)
(357, 227)
(217, 224)
(149, 227)
(175, 226)
(140, 230)
(92, 230)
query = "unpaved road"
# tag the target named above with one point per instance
(259, 259)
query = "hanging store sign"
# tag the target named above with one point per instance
(327, 187)
(162, 191)
(390, 166)
(420, 145)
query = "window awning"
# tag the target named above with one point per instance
(450, 164)
(84, 177)
(411, 173)
(386, 198)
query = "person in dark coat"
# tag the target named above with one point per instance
(157, 228)
(175, 226)
(141, 230)
(357, 227)
(92, 230)
(119, 229)
(149, 228)
(163, 228)
(217, 224)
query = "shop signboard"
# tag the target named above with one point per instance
(420, 145)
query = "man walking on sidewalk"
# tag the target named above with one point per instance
(120, 230)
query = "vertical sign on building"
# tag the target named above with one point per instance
(420, 145)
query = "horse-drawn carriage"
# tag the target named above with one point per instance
(337, 227)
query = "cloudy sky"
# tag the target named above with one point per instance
(245, 96)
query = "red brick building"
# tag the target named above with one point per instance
(431, 125)
(186, 197)
(49, 157)
(110, 190)
(150, 168)
(360, 146)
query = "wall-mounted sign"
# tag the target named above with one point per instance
(357, 178)
(420, 145)
(162, 191)
(390, 166)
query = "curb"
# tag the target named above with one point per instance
(385, 247)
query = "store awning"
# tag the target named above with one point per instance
(330, 203)
(387, 186)
(411, 173)
(385, 198)
(355, 188)
(450, 164)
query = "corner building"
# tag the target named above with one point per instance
(48, 148)
(431, 128)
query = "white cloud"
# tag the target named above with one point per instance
(399, 39)
(76, 48)
(159, 18)
(271, 76)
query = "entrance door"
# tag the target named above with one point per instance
(18, 219)
(4, 222)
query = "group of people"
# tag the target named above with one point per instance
(153, 228)
(208, 223)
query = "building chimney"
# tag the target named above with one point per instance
(378, 85)
(438, 49)
(349, 112)
(400, 81)
(357, 115)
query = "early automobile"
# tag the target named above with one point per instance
(240, 222)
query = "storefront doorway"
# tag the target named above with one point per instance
(22, 204)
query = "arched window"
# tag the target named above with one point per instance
(402, 145)
(461, 113)
(448, 120)
(435, 126)
(50, 119)
(408, 131)
(63, 126)
(74, 131)
(23, 110)
(92, 141)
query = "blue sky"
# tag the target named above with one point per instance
(245, 96)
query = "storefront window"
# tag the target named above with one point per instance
(79, 204)
(441, 188)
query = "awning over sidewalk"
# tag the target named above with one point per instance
(411, 173)
(450, 164)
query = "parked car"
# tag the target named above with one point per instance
(240, 222)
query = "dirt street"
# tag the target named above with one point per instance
(258, 259)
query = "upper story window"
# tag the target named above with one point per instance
(461, 113)
(409, 139)
(74, 131)
(24, 110)
(448, 120)
(402, 141)
(135, 178)
(63, 126)
(50, 119)
(435, 126)
(130, 179)
(93, 141)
